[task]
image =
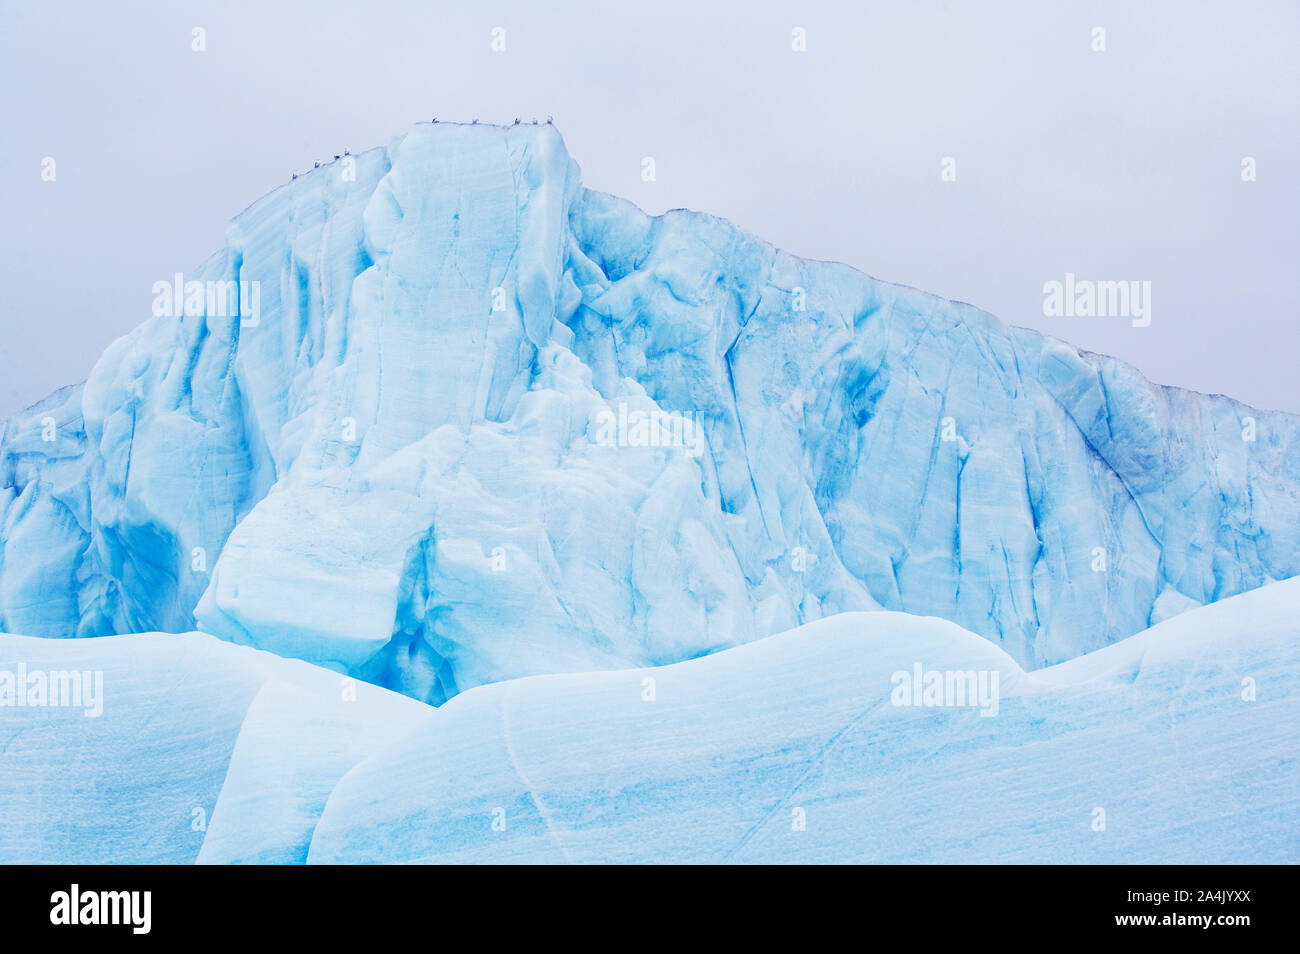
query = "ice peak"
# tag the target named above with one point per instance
(452, 446)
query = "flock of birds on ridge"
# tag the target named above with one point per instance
(549, 121)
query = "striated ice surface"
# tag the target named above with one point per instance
(1172, 746)
(488, 424)
(185, 729)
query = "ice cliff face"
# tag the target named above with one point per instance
(489, 424)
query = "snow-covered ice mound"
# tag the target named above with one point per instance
(792, 749)
(196, 741)
(1175, 745)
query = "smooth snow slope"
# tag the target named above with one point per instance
(717, 763)
(185, 720)
(402, 471)
(735, 746)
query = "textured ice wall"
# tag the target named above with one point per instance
(406, 468)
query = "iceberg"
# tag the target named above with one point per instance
(454, 512)
(485, 423)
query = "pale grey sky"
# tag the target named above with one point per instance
(1123, 164)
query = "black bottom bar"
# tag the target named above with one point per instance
(935, 904)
